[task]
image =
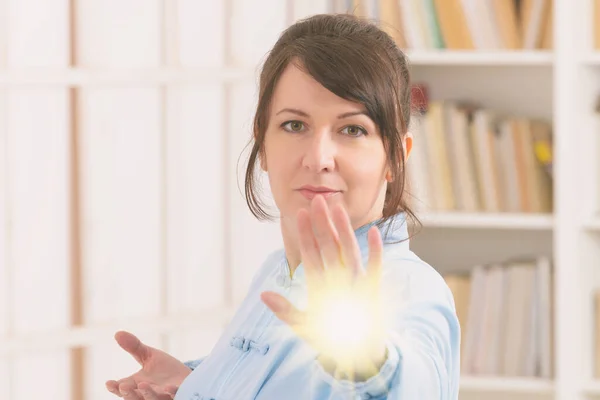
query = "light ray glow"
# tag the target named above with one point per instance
(345, 326)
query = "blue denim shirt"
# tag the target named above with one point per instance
(259, 357)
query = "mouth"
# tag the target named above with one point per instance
(309, 192)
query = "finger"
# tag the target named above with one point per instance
(126, 383)
(148, 392)
(350, 252)
(131, 344)
(113, 387)
(375, 257)
(128, 391)
(171, 390)
(283, 309)
(309, 250)
(325, 233)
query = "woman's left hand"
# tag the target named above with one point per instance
(343, 318)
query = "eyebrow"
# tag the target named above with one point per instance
(305, 115)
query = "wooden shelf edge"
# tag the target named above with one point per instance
(480, 57)
(592, 387)
(506, 221)
(506, 384)
(592, 224)
(592, 58)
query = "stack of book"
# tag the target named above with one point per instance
(472, 159)
(505, 312)
(459, 24)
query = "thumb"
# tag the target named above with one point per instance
(131, 344)
(283, 309)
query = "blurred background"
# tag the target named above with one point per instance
(123, 126)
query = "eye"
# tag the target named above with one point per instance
(293, 126)
(354, 131)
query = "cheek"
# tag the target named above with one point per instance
(281, 168)
(366, 170)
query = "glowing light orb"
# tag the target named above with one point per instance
(345, 328)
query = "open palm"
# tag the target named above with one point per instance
(342, 320)
(158, 379)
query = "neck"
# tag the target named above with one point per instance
(291, 242)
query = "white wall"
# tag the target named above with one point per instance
(165, 245)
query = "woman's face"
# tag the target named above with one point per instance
(319, 143)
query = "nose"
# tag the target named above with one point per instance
(320, 152)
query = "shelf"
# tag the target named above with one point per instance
(593, 59)
(506, 385)
(593, 224)
(592, 388)
(122, 76)
(88, 76)
(93, 334)
(479, 57)
(507, 221)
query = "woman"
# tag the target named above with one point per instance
(331, 133)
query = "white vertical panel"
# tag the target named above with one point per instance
(3, 32)
(4, 224)
(255, 27)
(5, 384)
(305, 8)
(42, 375)
(193, 344)
(121, 207)
(38, 33)
(106, 360)
(117, 33)
(195, 203)
(251, 240)
(201, 44)
(4, 257)
(38, 168)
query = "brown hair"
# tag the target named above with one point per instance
(357, 61)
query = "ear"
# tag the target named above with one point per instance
(408, 144)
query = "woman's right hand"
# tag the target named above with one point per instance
(158, 379)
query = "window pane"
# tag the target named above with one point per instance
(121, 203)
(116, 33)
(200, 44)
(196, 206)
(38, 196)
(37, 33)
(52, 381)
(251, 40)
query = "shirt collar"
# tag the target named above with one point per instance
(394, 231)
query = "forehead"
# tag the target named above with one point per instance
(296, 88)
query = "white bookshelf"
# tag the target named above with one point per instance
(561, 84)
(571, 75)
(481, 58)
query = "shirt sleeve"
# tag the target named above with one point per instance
(193, 364)
(423, 341)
